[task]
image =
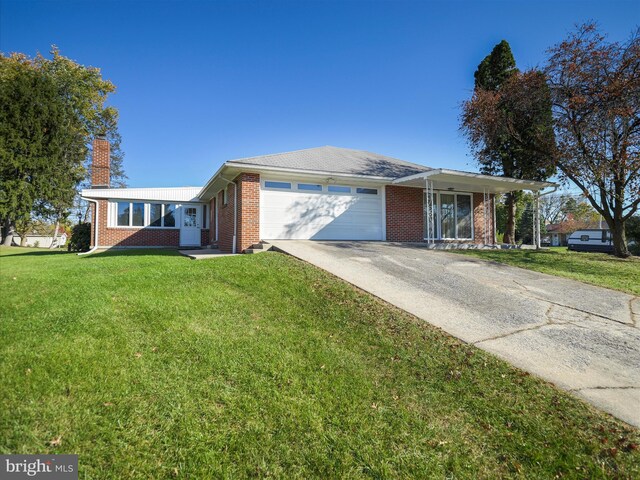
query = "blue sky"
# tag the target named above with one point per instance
(200, 82)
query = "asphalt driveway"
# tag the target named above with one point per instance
(584, 339)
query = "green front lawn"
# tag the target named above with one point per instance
(595, 268)
(150, 365)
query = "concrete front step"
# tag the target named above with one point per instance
(258, 248)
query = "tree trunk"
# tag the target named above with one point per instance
(23, 240)
(55, 235)
(510, 229)
(8, 232)
(619, 239)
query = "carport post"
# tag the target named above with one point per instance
(536, 218)
(428, 217)
(486, 212)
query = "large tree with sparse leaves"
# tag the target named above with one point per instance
(595, 86)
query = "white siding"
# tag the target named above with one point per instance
(179, 194)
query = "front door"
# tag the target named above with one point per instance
(190, 227)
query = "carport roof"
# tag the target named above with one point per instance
(444, 179)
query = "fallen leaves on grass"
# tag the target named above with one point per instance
(56, 441)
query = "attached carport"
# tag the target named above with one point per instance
(453, 181)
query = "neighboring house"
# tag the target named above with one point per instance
(35, 239)
(557, 235)
(324, 193)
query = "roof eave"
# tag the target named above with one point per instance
(301, 171)
(504, 183)
(237, 167)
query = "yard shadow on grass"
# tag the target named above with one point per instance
(135, 252)
(15, 251)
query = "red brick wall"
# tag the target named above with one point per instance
(248, 214)
(225, 220)
(100, 164)
(212, 221)
(136, 237)
(405, 214)
(249, 210)
(479, 219)
(204, 237)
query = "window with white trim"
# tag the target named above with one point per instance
(130, 214)
(162, 215)
(279, 185)
(312, 187)
(137, 214)
(339, 189)
(367, 191)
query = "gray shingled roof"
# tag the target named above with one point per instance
(338, 160)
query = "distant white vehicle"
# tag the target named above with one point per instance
(591, 240)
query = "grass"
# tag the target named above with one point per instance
(150, 365)
(595, 268)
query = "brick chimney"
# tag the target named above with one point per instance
(100, 170)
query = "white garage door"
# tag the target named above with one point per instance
(297, 210)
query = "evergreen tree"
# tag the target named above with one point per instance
(509, 125)
(50, 110)
(496, 68)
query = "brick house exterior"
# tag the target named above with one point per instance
(306, 194)
(405, 214)
(248, 210)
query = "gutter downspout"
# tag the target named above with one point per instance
(538, 240)
(95, 223)
(235, 212)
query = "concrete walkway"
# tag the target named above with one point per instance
(584, 339)
(204, 253)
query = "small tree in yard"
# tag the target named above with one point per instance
(595, 87)
(509, 126)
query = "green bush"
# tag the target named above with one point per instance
(80, 238)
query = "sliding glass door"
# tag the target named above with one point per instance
(463, 216)
(448, 215)
(452, 216)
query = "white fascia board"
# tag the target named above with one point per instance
(237, 168)
(211, 180)
(416, 176)
(171, 194)
(297, 171)
(490, 179)
(533, 183)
